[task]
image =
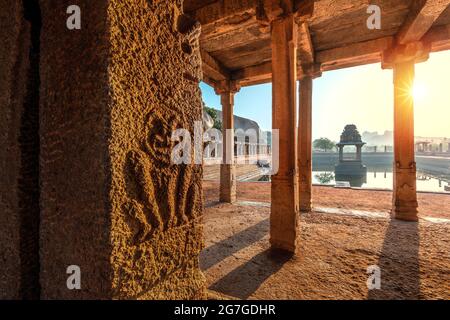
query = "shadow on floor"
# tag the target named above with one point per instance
(227, 247)
(243, 281)
(211, 204)
(399, 263)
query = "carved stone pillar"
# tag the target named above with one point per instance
(305, 143)
(402, 60)
(227, 90)
(405, 196)
(112, 201)
(284, 210)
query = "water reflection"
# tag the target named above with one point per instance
(379, 180)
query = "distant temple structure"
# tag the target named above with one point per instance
(351, 168)
(249, 139)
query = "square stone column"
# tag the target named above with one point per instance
(402, 59)
(404, 195)
(19, 150)
(227, 90)
(113, 203)
(284, 203)
(305, 143)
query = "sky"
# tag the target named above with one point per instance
(362, 96)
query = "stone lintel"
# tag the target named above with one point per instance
(269, 10)
(309, 71)
(417, 52)
(227, 86)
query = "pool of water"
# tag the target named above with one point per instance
(380, 180)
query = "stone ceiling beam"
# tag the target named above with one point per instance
(305, 49)
(439, 37)
(332, 59)
(220, 11)
(258, 74)
(344, 57)
(213, 69)
(422, 15)
(353, 55)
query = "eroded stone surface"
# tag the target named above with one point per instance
(19, 154)
(112, 203)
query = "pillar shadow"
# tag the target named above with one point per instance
(399, 263)
(227, 247)
(211, 204)
(243, 281)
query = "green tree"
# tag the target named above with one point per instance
(324, 144)
(213, 114)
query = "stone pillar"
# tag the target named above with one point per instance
(341, 153)
(404, 195)
(227, 90)
(359, 153)
(402, 59)
(284, 205)
(19, 151)
(112, 201)
(305, 143)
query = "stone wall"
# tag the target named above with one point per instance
(19, 152)
(111, 201)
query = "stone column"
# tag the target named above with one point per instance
(284, 205)
(227, 90)
(404, 195)
(402, 59)
(112, 201)
(359, 153)
(341, 153)
(19, 151)
(305, 143)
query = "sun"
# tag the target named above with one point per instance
(418, 91)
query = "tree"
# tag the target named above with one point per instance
(324, 144)
(213, 114)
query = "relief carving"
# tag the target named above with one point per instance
(161, 195)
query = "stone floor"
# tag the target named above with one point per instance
(336, 249)
(430, 204)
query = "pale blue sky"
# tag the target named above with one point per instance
(361, 95)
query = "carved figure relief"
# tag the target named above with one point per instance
(161, 195)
